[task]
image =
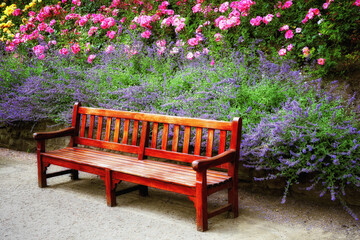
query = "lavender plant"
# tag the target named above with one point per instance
(290, 127)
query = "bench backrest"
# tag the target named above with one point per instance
(175, 138)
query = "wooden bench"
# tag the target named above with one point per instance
(189, 143)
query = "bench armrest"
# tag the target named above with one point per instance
(204, 164)
(54, 134)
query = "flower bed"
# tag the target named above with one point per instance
(155, 57)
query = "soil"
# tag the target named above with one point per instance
(77, 210)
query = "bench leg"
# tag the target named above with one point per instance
(201, 202)
(110, 189)
(74, 174)
(41, 173)
(233, 200)
(143, 191)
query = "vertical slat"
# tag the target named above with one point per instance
(144, 139)
(99, 128)
(222, 141)
(165, 136)
(117, 130)
(108, 127)
(210, 141)
(154, 135)
(91, 126)
(126, 131)
(83, 125)
(75, 123)
(175, 138)
(198, 141)
(186, 139)
(135, 132)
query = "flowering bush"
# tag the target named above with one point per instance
(329, 30)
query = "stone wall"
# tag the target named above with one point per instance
(19, 137)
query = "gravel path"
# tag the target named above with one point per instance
(77, 210)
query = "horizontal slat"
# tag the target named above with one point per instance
(183, 121)
(183, 157)
(225, 208)
(108, 145)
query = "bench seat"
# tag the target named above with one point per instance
(162, 171)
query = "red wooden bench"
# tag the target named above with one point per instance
(147, 135)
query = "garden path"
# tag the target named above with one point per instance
(77, 210)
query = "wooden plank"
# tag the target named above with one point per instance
(183, 157)
(197, 141)
(175, 138)
(144, 140)
(220, 210)
(222, 141)
(99, 128)
(154, 135)
(194, 122)
(117, 130)
(165, 136)
(83, 125)
(108, 128)
(190, 191)
(186, 139)
(135, 132)
(210, 142)
(91, 126)
(126, 131)
(107, 145)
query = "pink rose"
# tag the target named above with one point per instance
(91, 58)
(306, 51)
(193, 41)
(284, 28)
(75, 48)
(42, 26)
(92, 31)
(256, 21)
(217, 37)
(52, 22)
(76, 2)
(109, 49)
(212, 63)
(224, 7)
(41, 56)
(196, 8)
(17, 12)
(111, 34)
(38, 49)
(298, 30)
(289, 34)
(268, 18)
(146, 34)
(282, 52)
(289, 47)
(63, 51)
(321, 61)
(190, 56)
(161, 43)
(287, 5)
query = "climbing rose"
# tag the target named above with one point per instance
(217, 37)
(146, 34)
(91, 58)
(75, 48)
(111, 34)
(63, 51)
(321, 61)
(289, 34)
(282, 52)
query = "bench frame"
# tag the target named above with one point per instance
(201, 164)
